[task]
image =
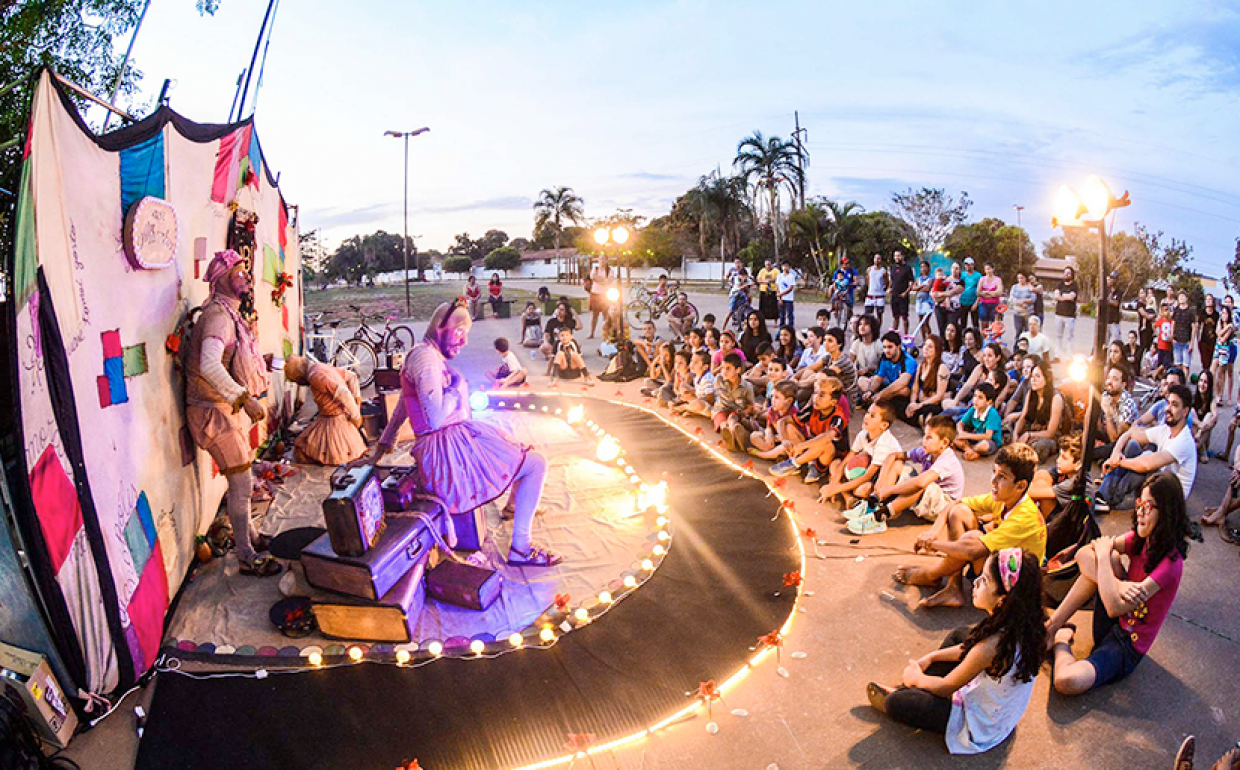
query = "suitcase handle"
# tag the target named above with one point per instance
(414, 549)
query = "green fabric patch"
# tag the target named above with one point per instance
(271, 265)
(135, 360)
(26, 262)
(135, 538)
(288, 347)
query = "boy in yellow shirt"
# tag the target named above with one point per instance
(969, 531)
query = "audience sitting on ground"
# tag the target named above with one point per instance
(838, 363)
(786, 345)
(563, 317)
(727, 346)
(972, 354)
(1044, 413)
(708, 321)
(681, 317)
(703, 386)
(711, 339)
(754, 336)
(1214, 517)
(645, 344)
(767, 442)
(759, 373)
(1119, 412)
(812, 356)
(929, 384)
(734, 401)
(1172, 449)
(1205, 414)
(531, 326)
(980, 431)
(1052, 489)
(659, 369)
(816, 435)
(568, 363)
(852, 476)
(777, 371)
(679, 389)
(1156, 401)
(511, 372)
(1132, 355)
(989, 369)
(893, 381)
(976, 687)
(867, 348)
(953, 352)
(926, 480)
(1012, 397)
(977, 526)
(1039, 343)
(1133, 600)
(695, 340)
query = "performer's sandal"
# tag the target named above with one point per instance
(262, 566)
(535, 557)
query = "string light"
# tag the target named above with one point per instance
(663, 536)
(477, 646)
(608, 449)
(647, 565)
(435, 648)
(516, 640)
(658, 550)
(630, 581)
(582, 614)
(605, 597)
(355, 653)
(547, 635)
(316, 659)
(402, 656)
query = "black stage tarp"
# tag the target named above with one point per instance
(697, 618)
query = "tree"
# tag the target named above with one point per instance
(1127, 255)
(878, 232)
(1191, 284)
(521, 244)
(493, 240)
(932, 213)
(1233, 269)
(553, 209)
(845, 228)
(457, 264)
(769, 163)
(504, 258)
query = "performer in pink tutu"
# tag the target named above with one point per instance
(466, 463)
(333, 437)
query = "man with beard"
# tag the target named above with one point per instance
(464, 462)
(1173, 449)
(225, 376)
(893, 381)
(1119, 412)
(901, 287)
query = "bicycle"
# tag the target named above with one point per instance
(645, 306)
(319, 345)
(360, 353)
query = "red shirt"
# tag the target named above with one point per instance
(496, 289)
(1164, 328)
(473, 291)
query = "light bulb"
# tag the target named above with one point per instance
(315, 659)
(663, 536)
(477, 646)
(435, 648)
(1067, 206)
(1078, 369)
(402, 656)
(647, 565)
(620, 234)
(478, 401)
(575, 414)
(608, 449)
(605, 597)
(516, 640)
(1096, 197)
(582, 614)
(601, 235)
(547, 635)
(661, 521)
(658, 550)
(630, 581)
(613, 294)
(355, 653)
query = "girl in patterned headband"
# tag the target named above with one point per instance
(976, 687)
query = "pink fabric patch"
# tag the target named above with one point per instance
(56, 504)
(254, 436)
(224, 182)
(111, 344)
(105, 391)
(147, 607)
(285, 309)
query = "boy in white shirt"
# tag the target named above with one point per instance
(703, 387)
(874, 440)
(510, 373)
(926, 480)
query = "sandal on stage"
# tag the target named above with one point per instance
(1184, 757)
(262, 566)
(535, 557)
(262, 543)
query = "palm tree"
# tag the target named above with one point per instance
(769, 162)
(845, 221)
(555, 207)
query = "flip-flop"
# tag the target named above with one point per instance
(1184, 757)
(535, 557)
(263, 566)
(877, 697)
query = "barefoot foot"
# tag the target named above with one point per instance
(914, 576)
(949, 596)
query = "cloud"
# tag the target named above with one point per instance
(339, 217)
(651, 177)
(502, 203)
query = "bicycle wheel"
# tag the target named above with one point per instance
(640, 310)
(399, 340)
(359, 357)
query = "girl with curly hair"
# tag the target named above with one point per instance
(976, 687)
(1134, 599)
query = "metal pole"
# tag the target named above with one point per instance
(1097, 369)
(408, 305)
(236, 94)
(245, 91)
(116, 87)
(1020, 243)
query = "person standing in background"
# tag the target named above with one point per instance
(1185, 319)
(473, 295)
(1039, 303)
(876, 284)
(1021, 300)
(785, 289)
(1065, 310)
(989, 295)
(1147, 313)
(969, 298)
(925, 305)
(1207, 334)
(600, 280)
(1115, 299)
(768, 300)
(901, 287)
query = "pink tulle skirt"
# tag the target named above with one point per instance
(468, 464)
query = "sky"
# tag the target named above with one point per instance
(630, 103)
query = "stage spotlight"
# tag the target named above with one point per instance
(608, 449)
(478, 401)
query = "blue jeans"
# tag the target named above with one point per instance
(986, 313)
(1182, 353)
(786, 313)
(738, 306)
(1120, 487)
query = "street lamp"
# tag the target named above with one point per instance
(1089, 209)
(405, 135)
(1020, 243)
(604, 237)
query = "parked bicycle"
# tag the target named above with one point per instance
(360, 353)
(646, 306)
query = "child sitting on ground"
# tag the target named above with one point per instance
(531, 326)
(734, 401)
(680, 387)
(510, 373)
(980, 432)
(972, 529)
(568, 363)
(816, 435)
(767, 442)
(1052, 490)
(777, 371)
(876, 442)
(703, 387)
(757, 375)
(932, 478)
(694, 341)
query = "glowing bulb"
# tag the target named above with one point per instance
(1096, 197)
(575, 414)
(601, 235)
(355, 653)
(661, 521)
(582, 614)
(315, 659)
(608, 449)
(402, 656)
(547, 635)
(620, 234)
(635, 479)
(663, 536)
(630, 581)
(546, 409)
(605, 597)
(533, 407)
(477, 646)
(558, 410)
(1067, 207)
(479, 401)
(658, 550)
(435, 648)
(613, 294)
(647, 565)
(516, 640)
(1078, 369)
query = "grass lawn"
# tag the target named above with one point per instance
(390, 300)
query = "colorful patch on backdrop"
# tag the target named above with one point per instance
(272, 265)
(119, 363)
(57, 506)
(142, 171)
(238, 163)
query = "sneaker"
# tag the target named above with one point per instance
(882, 512)
(812, 474)
(862, 508)
(648, 392)
(785, 468)
(867, 525)
(1100, 505)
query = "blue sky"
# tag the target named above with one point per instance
(629, 103)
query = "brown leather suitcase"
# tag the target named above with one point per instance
(390, 619)
(399, 487)
(354, 510)
(405, 543)
(388, 379)
(389, 401)
(471, 529)
(464, 585)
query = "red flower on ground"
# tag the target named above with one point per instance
(792, 579)
(773, 639)
(790, 505)
(578, 742)
(747, 464)
(810, 533)
(779, 483)
(409, 764)
(561, 602)
(707, 691)
(699, 432)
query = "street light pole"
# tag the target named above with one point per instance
(405, 240)
(1020, 243)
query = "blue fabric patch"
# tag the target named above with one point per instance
(142, 171)
(148, 522)
(256, 155)
(139, 547)
(114, 370)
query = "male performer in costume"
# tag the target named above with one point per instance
(226, 375)
(333, 437)
(464, 462)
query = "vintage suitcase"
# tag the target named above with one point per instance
(389, 401)
(406, 542)
(388, 379)
(464, 585)
(390, 619)
(354, 511)
(471, 530)
(399, 487)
